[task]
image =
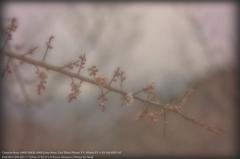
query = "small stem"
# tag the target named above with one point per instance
(45, 54)
(111, 81)
(48, 47)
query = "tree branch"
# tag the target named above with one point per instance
(166, 107)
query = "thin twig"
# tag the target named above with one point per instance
(48, 46)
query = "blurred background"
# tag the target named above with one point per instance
(175, 45)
